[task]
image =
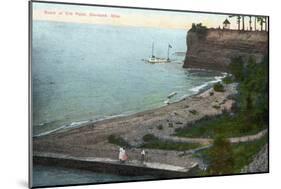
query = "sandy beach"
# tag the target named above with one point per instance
(92, 140)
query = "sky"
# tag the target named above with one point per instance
(126, 17)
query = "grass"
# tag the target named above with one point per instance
(229, 126)
(117, 140)
(218, 87)
(243, 153)
(152, 142)
(149, 138)
(228, 80)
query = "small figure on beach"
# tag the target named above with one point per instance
(122, 155)
(143, 156)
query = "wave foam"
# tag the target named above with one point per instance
(204, 85)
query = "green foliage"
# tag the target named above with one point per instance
(199, 29)
(254, 91)
(149, 138)
(236, 67)
(221, 157)
(218, 87)
(150, 141)
(252, 114)
(118, 141)
(253, 79)
(229, 126)
(228, 79)
(261, 20)
(250, 118)
(241, 154)
(244, 153)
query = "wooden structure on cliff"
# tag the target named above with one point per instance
(226, 24)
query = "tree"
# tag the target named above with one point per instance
(250, 23)
(254, 91)
(243, 23)
(221, 157)
(255, 23)
(238, 20)
(236, 67)
(200, 29)
(260, 20)
(265, 23)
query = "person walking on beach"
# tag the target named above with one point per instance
(143, 156)
(125, 156)
(122, 155)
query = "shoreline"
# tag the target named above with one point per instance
(82, 123)
(92, 140)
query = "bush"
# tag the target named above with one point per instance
(218, 87)
(151, 141)
(199, 29)
(160, 127)
(228, 80)
(194, 112)
(149, 138)
(118, 141)
(236, 68)
(216, 107)
(241, 155)
(228, 125)
(221, 157)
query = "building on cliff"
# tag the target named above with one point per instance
(215, 48)
(226, 24)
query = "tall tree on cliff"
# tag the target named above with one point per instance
(243, 23)
(260, 20)
(238, 20)
(255, 23)
(250, 23)
(266, 23)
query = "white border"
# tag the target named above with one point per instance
(14, 92)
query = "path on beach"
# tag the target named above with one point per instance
(206, 141)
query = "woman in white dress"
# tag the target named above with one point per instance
(122, 155)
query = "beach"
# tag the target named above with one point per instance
(91, 140)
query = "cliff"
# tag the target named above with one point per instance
(259, 163)
(214, 48)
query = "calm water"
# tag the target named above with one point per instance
(83, 72)
(51, 176)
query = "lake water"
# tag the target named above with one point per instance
(84, 72)
(54, 176)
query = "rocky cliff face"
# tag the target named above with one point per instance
(215, 48)
(259, 163)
